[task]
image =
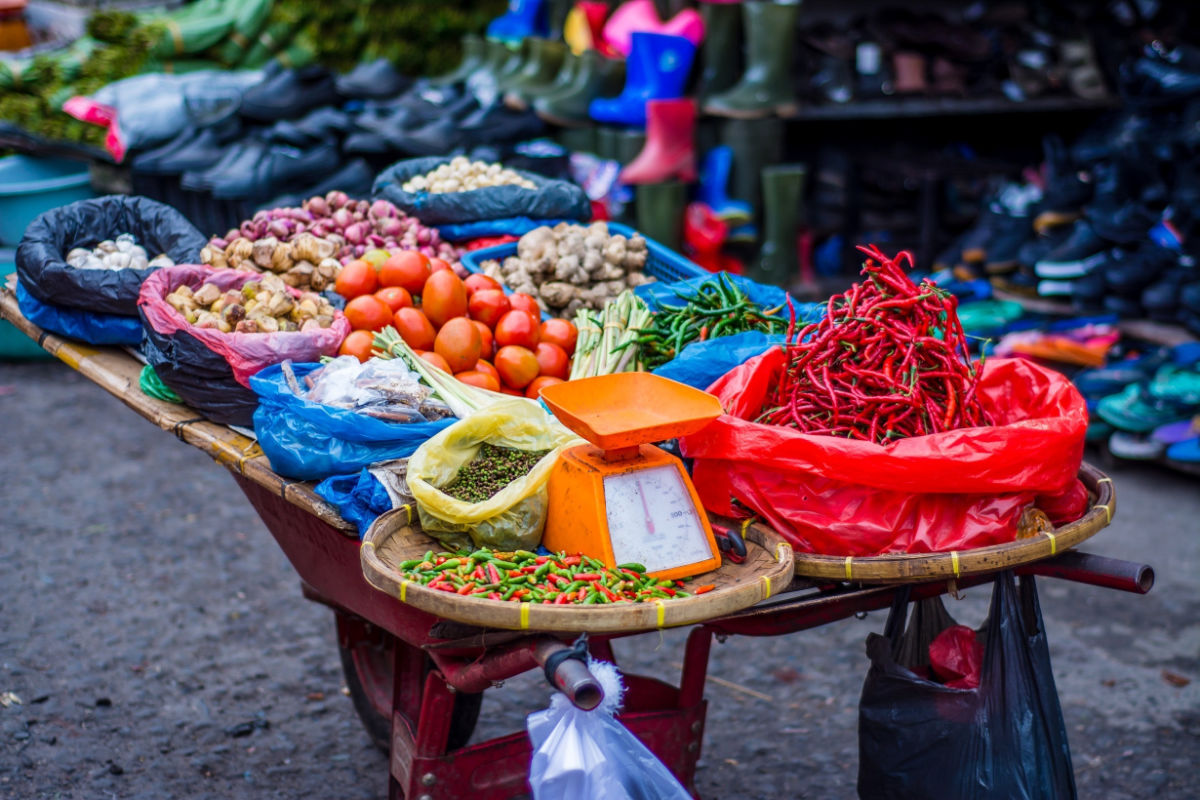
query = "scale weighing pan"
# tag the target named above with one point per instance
(624, 410)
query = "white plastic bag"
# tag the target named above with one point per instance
(590, 755)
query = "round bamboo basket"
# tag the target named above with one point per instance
(393, 539)
(924, 567)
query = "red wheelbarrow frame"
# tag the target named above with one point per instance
(387, 647)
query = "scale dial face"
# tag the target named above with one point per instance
(652, 519)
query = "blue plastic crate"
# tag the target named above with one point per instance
(663, 262)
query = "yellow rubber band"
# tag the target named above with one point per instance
(746, 523)
(403, 591)
(1107, 514)
(954, 561)
(525, 616)
(662, 612)
(1053, 542)
(1104, 480)
(779, 551)
(176, 35)
(767, 582)
(241, 41)
(848, 560)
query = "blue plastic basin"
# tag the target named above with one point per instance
(29, 186)
(14, 345)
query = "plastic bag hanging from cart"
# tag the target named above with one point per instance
(1006, 739)
(589, 754)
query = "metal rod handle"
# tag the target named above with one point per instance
(571, 676)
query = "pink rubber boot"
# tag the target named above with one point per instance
(642, 16)
(669, 152)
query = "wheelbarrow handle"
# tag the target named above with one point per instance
(1110, 573)
(568, 674)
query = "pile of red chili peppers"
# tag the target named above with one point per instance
(526, 577)
(888, 361)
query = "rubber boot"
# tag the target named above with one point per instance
(495, 55)
(518, 57)
(626, 144)
(544, 62)
(640, 16)
(521, 98)
(578, 140)
(704, 233)
(523, 19)
(584, 28)
(766, 86)
(670, 151)
(474, 55)
(756, 144)
(657, 69)
(660, 208)
(783, 202)
(595, 76)
(556, 18)
(721, 53)
(714, 180)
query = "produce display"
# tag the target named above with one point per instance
(351, 229)
(717, 308)
(569, 267)
(526, 577)
(123, 252)
(262, 306)
(888, 361)
(608, 341)
(304, 262)
(385, 389)
(460, 174)
(490, 471)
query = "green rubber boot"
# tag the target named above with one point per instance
(720, 55)
(521, 98)
(495, 55)
(766, 85)
(512, 64)
(783, 213)
(541, 66)
(660, 208)
(474, 54)
(578, 140)
(596, 76)
(756, 144)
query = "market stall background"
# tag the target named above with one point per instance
(154, 634)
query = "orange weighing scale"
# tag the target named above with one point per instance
(620, 499)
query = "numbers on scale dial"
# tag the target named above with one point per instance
(652, 519)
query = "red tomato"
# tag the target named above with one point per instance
(368, 313)
(356, 279)
(485, 333)
(397, 297)
(519, 328)
(513, 392)
(437, 265)
(534, 389)
(477, 281)
(552, 360)
(414, 328)
(459, 343)
(408, 268)
(560, 332)
(525, 302)
(435, 359)
(481, 379)
(357, 344)
(517, 366)
(443, 298)
(488, 306)
(483, 365)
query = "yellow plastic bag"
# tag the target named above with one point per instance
(511, 519)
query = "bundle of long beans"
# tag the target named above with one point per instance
(716, 308)
(607, 341)
(888, 361)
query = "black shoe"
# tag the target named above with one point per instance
(1080, 253)
(1088, 292)
(240, 157)
(318, 125)
(1162, 72)
(355, 179)
(1162, 296)
(281, 168)
(1122, 306)
(289, 95)
(1067, 190)
(372, 80)
(1035, 249)
(1128, 272)
(499, 123)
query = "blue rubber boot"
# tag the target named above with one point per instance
(714, 178)
(657, 69)
(523, 19)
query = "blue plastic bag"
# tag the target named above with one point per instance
(701, 363)
(86, 326)
(310, 441)
(510, 226)
(359, 498)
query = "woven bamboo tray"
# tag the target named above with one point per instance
(924, 567)
(393, 539)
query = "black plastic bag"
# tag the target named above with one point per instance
(41, 256)
(552, 199)
(202, 379)
(1005, 740)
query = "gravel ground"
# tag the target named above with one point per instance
(160, 648)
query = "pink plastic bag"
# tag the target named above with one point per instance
(948, 491)
(246, 353)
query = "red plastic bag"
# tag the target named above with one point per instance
(947, 491)
(956, 657)
(246, 353)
